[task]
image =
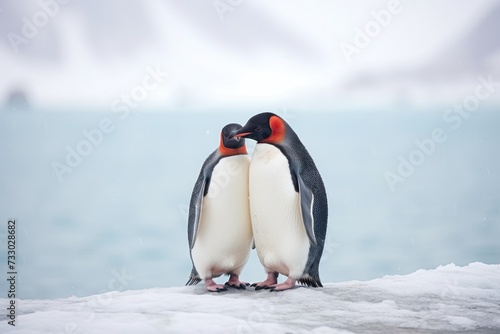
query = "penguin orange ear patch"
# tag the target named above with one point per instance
(277, 130)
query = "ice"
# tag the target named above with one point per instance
(446, 299)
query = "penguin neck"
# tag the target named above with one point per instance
(226, 152)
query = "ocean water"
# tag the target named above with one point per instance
(118, 219)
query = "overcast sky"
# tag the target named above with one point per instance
(218, 56)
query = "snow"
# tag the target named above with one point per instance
(446, 299)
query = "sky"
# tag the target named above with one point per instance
(242, 56)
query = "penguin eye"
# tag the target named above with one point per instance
(258, 129)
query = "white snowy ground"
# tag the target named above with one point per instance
(448, 299)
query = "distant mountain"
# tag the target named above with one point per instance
(468, 56)
(472, 51)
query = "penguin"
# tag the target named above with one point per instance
(219, 227)
(288, 204)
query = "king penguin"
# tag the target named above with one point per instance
(219, 228)
(288, 204)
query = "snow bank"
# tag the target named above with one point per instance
(446, 299)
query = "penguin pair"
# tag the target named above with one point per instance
(276, 200)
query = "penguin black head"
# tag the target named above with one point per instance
(264, 128)
(229, 143)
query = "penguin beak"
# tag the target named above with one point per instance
(239, 135)
(243, 132)
(235, 135)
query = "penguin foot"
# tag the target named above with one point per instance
(258, 286)
(214, 287)
(241, 285)
(272, 278)
(234, 282)
(288, 284)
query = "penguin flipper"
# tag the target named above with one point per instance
(196, 206)
(306, 208)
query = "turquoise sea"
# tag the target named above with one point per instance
(115, 218)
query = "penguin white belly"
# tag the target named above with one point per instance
(224, 235)
(280, 237)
